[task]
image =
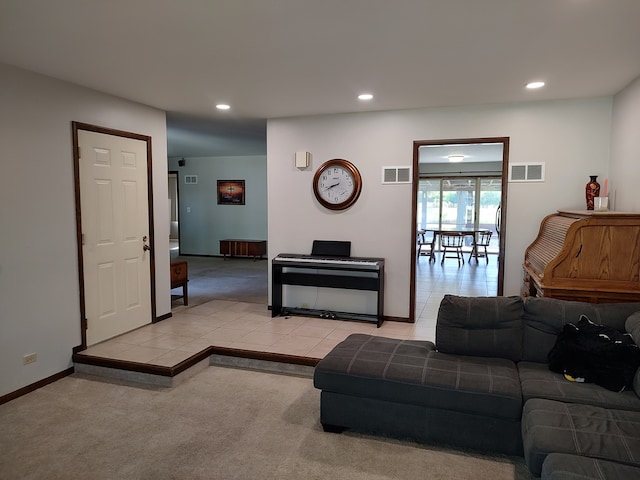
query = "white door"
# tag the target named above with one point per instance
(115, 234)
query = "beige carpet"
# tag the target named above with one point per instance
(223, 423)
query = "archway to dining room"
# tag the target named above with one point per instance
(459, 198)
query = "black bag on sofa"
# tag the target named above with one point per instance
(597, 354)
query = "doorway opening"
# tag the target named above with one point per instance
(460, 187)
(174, 208)
(472, 203)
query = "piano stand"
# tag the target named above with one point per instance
(322, 276)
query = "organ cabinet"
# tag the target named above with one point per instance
(586, 256)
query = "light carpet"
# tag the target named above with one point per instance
(224, 423)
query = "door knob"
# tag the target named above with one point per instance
(146, 247)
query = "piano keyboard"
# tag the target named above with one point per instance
(366, 263)
(348, 273)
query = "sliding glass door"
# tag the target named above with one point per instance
(428, 203)
(456, 203)
(488, 218)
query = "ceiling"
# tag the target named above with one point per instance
(472, 152)
(280, 58)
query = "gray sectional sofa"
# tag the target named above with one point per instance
(485, 385)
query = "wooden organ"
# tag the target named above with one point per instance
(587, 256)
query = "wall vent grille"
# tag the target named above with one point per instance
(393, 175)
(190, 179)
(526, 172)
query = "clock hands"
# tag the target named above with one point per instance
(331, 186)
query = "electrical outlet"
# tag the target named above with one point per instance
(305, 305)
(31, 358)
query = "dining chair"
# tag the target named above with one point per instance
(425, 244)
(452, 242)
(481, 240)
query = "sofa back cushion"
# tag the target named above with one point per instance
(545, 317)
(632, 325)
(480, 326)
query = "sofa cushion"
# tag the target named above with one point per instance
(480, 326)
(537, 381)
(561, 466)
(479, 385)
(350, 365)
(369, 355)
(411, 372)
(632, 325)
(557, 427)
(545, 317)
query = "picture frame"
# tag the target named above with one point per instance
(231, 192)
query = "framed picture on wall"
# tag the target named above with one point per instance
(231, 192)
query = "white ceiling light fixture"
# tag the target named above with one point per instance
(222, 106)
(534, 85)
(365, 96)
(455, 158)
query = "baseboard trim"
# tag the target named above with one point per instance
(35, 386)
(161, 371)
(123, 365)
(398, 319)
(162, 317)
(265, 356)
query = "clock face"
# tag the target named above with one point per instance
(337, 184)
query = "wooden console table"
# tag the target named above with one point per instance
(179, 278)
(237, 247)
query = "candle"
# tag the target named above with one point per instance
(604, 187)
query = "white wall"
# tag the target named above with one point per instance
(207, 223)
(571, 137)
(625, 149)
(39, 293)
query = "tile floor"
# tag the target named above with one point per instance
(247, 325)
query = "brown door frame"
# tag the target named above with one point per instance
(414, 206)
(75, 127)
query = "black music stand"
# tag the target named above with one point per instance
(331, 248)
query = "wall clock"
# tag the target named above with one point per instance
(337, 184)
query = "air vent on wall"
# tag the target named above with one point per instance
(526, 172)
(190, 179)
(396, 175)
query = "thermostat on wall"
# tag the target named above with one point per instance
(302, 159)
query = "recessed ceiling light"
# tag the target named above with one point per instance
(365, 96)
(455, 158)
(223, 106)
(533, 85)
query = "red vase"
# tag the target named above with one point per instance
(592, 190)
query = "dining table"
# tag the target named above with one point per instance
(438, 230)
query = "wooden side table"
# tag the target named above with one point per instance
(179, 278)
